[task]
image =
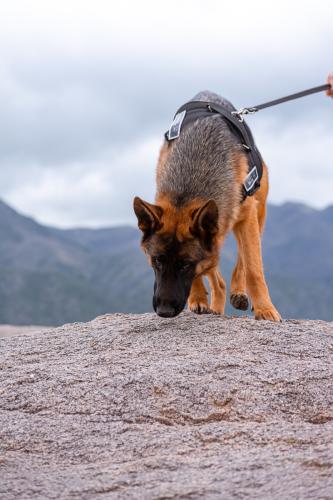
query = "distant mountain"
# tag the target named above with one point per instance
(53, 276)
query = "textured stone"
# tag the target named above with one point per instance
(135, 406)
(11, 330)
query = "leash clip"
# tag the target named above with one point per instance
(243, 111)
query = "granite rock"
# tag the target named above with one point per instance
(136, 406)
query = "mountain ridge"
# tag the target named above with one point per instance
(52, 276)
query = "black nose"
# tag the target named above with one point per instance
(166, 311)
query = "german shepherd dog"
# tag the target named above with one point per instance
(199, 199)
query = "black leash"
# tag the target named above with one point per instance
(291, 97)
(194, 110)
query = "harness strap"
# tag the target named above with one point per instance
(193, 110)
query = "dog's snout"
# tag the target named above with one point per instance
(167, 309)
(166, 312)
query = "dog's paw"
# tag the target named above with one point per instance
(267, 313)
(217, 312)
(199, 308)
(239, 301)
(217, 308)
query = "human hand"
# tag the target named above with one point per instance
(330, 81)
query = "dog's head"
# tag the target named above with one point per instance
(180, 244)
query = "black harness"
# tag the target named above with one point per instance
(196, 110)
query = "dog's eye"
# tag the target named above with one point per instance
(158, 261)
(185, 266)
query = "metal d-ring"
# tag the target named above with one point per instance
(243, 111)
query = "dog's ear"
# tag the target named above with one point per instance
(205, 222)
(149, 216)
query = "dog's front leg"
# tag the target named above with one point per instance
(248, 235)
(218, 290)
(238, 295)
(198, 299)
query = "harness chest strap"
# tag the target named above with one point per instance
(194, 110)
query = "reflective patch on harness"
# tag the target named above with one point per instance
(251, 179)
(174, 130)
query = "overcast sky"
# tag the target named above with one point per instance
(87, 89)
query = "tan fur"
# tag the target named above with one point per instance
(248, 274)
(198, 299)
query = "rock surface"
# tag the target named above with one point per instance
(11, 330)
(135, 406)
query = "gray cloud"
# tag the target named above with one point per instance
(85, 101)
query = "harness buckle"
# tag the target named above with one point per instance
(243, 111)
(174, 129)
(250, 180)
